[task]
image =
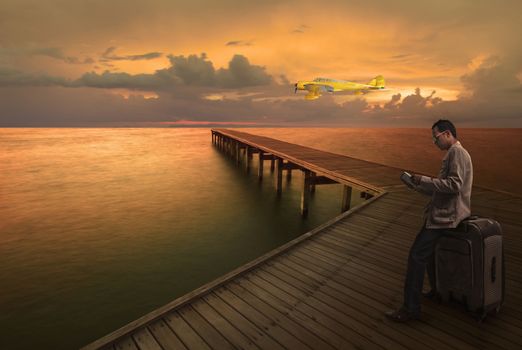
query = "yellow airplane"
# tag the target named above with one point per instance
(319, 85)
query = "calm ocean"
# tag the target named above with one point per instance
(100, 226)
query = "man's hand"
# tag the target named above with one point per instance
(416, 179)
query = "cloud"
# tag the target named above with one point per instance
(400, 56)
(52, 52)
(108, 55)
(14, 77)
(495, 78)
(239, 43)
(240, 73)
(494, 97)
(300, 29)
(111, 80)
(192, 70)
(393, 103)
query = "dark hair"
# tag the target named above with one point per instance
(443, 125)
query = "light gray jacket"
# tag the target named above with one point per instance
(450, 191)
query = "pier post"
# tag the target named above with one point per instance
(305, 194)
(347, 198)
(247, 158)
(312, 185)
(272, 164)
(260, 168)
(238, 151)
(288, 174)
(279, 177)
(229, 147)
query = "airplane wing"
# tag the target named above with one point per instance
(316, 90)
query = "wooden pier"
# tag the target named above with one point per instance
(329, 288)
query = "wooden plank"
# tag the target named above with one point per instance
(145, 340)
(355, 332)
(126, 343)
(209, 334)
(256, 317)
(184, 331)
(318, 268)
(340, 338)
(336, 296)
(231, 333)
(280, 318)
(164, 335)
(257, 335)
(284, 305)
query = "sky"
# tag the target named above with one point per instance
(231, 62)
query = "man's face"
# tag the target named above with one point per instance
(441, 139)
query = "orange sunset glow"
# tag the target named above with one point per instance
(94, 62)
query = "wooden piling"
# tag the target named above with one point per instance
(305, 193)
(260, 168)
(279, 176)
(347, 198)
(238, 149)
(247, 159)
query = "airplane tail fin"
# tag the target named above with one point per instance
(377, 82)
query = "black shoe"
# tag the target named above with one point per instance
(402, 315)
(431, 294)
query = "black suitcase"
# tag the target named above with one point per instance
(469, 265)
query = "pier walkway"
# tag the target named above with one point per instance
(329, 288)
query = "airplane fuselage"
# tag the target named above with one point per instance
(320, 85)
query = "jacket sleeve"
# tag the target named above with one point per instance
(452, 183)
(423, 190)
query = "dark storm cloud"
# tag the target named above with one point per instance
(108, 55)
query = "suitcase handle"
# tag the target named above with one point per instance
(493, 269)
